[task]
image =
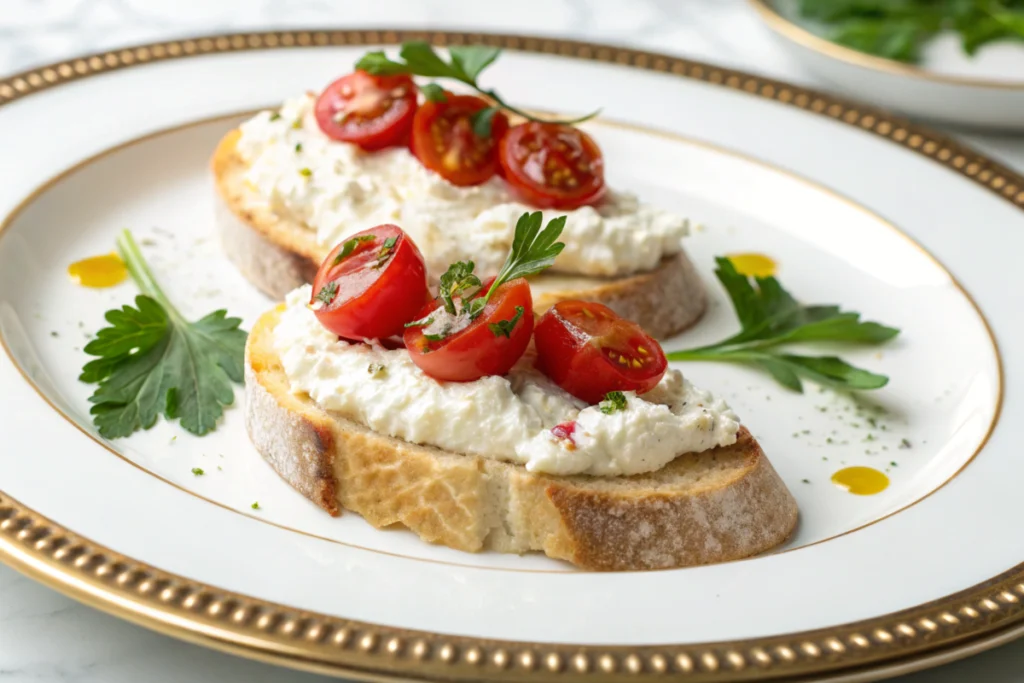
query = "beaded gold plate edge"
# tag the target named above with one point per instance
(954, 626)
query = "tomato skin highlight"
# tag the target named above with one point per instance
(375, 289)
(476, 351)
(552, 165)
(444, 142)
(588, 350)
(373, 112)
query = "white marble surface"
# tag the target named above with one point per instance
(45, 637)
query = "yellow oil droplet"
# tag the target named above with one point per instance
(98, 271)
(753, 265)
(862, 481)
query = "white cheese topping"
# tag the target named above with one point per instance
(337, 189)
(507, 418)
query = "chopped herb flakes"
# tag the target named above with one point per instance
(305, 172)
(275, 116)
(351, 245)
(198, 471)
(327, 293)
(505, 327)
(613, 401)
(255, 505)
(904, 443)
(377, 370)
(298, 147)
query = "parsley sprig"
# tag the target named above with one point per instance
(897, 29)
(151, 361)
(613, 402)
(533, 250)
(770, 317)
(465, 64)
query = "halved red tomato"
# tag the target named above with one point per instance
(489, 345)
(370, 285)
(588, 350)
(370, 111)
(552, 165)
(444, 141)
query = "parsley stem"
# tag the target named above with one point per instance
(140, 272)
(712, 353)
(526, 115)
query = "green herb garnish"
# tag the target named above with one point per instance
(377, 369)
(505, 327)
(298, 147)
(198, 471)
(305, 172)
(275, 116)
(385, 251)
(422, 322)
(533, 250)
(770, 317)
(350, 246)
(898, 29)
(327, 293)
(255, 505)
(433, 92)
(465, 64)
(456, 282)
(481, 121)
(151, 361)
(613, 402)
(297, 124)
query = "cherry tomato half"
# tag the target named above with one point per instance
(489, 345)
(370, 285)
(588, 350)
(370, 111)
(443, 139)
(552, 166)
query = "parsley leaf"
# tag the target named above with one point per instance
(151, 361)
(613, 401)
(769, 317)
(327, 293)
(482, 120)
(533, 250)
(466, 64)
(198, 471)
(351, 245)
(505, 327)
(458, 280)
(433, 92)
(422, 322)
(472, 59)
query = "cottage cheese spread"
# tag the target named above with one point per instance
(507, 418)
(337, 189)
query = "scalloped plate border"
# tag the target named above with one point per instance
(961, 624)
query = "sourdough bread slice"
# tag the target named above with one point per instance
(277, 255)
(719, 505)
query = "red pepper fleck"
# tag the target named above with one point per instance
(565, 431)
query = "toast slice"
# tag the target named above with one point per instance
(277, 255)
(719, 505)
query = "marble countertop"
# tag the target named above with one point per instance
(48, 638)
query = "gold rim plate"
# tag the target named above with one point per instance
(957, 625)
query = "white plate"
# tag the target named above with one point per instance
(289, 583)
(986, 90)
